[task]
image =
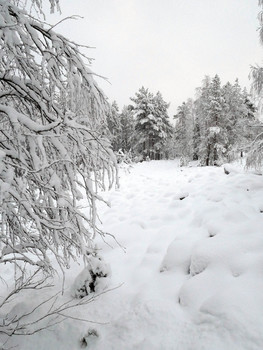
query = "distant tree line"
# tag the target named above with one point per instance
(142, 129)
(215, 127)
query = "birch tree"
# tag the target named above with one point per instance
(53, 149)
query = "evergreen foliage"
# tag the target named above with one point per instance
(121, 131)
(217, 126)
(183, 136)
(114, 126)
(255, 156)
(128, 129)
(152, 125)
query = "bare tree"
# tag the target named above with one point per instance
(53, 147)
(54, 156)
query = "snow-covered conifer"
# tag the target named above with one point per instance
(114, 125)
(184, 130)
(151, 123)
(239, 117)
(255, 155)
(128, 128)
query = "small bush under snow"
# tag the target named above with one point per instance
(93, 278)
(89, 338)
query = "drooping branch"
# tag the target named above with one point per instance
(53, 146)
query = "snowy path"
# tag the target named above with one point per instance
(193, 268)
(192, 273)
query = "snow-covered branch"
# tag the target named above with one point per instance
(53, 148)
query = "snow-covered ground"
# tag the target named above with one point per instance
(189, 271)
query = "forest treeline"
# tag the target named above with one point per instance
(219, 125)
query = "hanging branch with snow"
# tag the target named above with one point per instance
(53, 147)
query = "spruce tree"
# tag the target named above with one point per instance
(184, 131)
(152, 125)
(114, 126)
(201, 121)
(127, 129)
(216, 136)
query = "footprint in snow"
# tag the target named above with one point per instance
(181, 195)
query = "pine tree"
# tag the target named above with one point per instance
(216, 126)
(255, 156)
(202, 121)
(143, 113)
(239, 115)
(216, 136)
(163, 127)
(184, 131)
(210, 136)
(128, 129)
(114, 126)
(151, 124)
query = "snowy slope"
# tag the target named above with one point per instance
(190, 269)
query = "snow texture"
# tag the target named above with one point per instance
(189, 274)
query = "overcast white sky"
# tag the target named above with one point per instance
(165, 45)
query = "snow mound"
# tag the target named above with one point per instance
(178, 256)
(188, 273)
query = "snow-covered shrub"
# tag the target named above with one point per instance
(125, 157)
(89, 338)
(93, 278)
(124, 160)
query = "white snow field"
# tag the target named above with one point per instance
(190, 275)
